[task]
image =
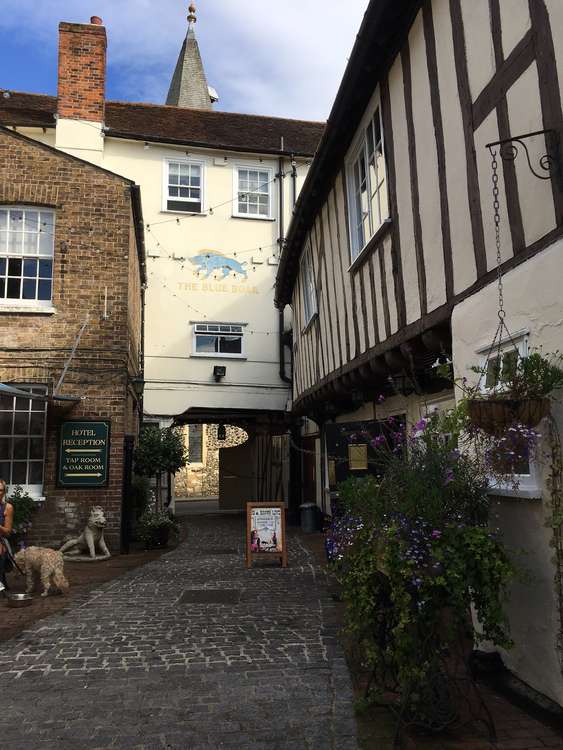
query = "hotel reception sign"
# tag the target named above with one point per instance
(83, 454)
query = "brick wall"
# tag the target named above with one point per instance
(82, 71)
(95, 257)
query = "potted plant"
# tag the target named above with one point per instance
(24, 508)
(155, 527)
(518, 393)
(160, 451)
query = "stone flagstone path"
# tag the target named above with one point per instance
(132, 666)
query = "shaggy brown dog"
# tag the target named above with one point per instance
(47, 564)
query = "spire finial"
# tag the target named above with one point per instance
(192, 16)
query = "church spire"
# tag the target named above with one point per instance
(188, 87)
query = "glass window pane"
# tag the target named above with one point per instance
(230, 345)
(37, 424)
(19, 472)
(36, 472)
(173, 168)
(46, 269)
(21, 423)
(30, 268)
(20, 448)
(22, 404)
(14, 267)
(44, 290)
(2, 288)
(206, 343)
(5, 471)
(493, 372)
(36, 448)
(3, 265)
(30, 243)
(5, 448)
(46, 243)
(29, 289)
(13, 289)
(6, 402)
(6, 419)
(3, 218)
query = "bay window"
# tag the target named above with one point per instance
(367, 183)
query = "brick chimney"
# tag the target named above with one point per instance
(82, 70)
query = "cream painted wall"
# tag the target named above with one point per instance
(478, 44)
(176, 297)
(403, 179)
(427, 169)
(533, 302)
(515, 22)
(488, 133)
(456, 166)
(525, 116)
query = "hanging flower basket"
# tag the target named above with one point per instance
(496, 415)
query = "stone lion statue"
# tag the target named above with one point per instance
(91, 537)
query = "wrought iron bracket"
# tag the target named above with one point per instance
(549, 164)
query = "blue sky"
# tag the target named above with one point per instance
(277, 57)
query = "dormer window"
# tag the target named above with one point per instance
(183, 186)
(26, 256)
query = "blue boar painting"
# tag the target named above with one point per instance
(209, 262)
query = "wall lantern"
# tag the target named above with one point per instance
(138, 383)
(221, 432)
(219, 371)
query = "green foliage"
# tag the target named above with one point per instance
(140, 494)
(414, 552)
(160, 450)
(154, 527)
(533, 377)
(24, 508)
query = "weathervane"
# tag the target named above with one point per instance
(192, 16)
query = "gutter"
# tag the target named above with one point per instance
(281, 240)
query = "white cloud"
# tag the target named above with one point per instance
(279, 57)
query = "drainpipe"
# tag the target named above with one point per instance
(293, 180)
(281, 239)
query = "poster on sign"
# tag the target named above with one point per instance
(265, 532)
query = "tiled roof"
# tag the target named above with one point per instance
(193, 127)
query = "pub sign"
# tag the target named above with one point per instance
(83, 454)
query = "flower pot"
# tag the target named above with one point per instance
(496, 415)
(158, 537)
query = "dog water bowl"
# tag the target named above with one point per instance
(19, 600)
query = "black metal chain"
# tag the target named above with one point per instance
(496, 209)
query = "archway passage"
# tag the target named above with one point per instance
(237, 456)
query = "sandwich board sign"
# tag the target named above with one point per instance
(265, 532)
(83, 454)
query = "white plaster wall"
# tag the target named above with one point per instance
(403, 179)
(177, 297)
(456, 167)
(478, 44)
(525, 116)
(515, 22)
(555, 11)
(488, 133)
(81, 138)
(427, 169)
(534, 303)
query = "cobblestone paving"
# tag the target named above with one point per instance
(132, 667)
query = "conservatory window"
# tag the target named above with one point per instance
(22, 439)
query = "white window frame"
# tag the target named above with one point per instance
(528, 484)
(218, 355)
(11, 303)
(165, 197)
(310, 306)
(359, 147)
(202, 437)
(34, 490)
(271, 191)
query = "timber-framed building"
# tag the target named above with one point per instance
(390, 260)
